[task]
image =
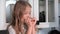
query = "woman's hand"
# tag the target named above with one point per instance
(33, 20)
(30, 21)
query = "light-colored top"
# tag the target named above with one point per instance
(12, 31)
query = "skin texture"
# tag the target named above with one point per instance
(29, 21)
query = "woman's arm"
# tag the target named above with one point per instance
(34, 30)
(29, 30)
(34, 26)
(31, 26)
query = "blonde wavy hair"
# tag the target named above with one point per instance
(17, 14)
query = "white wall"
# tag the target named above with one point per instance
(2, 15)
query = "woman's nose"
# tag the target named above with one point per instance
(29, 15)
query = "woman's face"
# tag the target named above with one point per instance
(27, 12)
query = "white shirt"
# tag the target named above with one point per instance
(12, 31)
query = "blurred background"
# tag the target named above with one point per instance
(47, 13)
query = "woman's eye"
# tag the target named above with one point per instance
(25, 13)
(29, 12)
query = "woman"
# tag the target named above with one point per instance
(22, 18)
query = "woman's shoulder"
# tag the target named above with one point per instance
(10, 27)
(11, 30)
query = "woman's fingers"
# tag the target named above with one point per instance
(30, 21)
(34, 21)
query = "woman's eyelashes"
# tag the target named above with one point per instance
(27, 12)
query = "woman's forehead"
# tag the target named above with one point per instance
(28, 9)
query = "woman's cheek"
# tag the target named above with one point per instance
(25, 17)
